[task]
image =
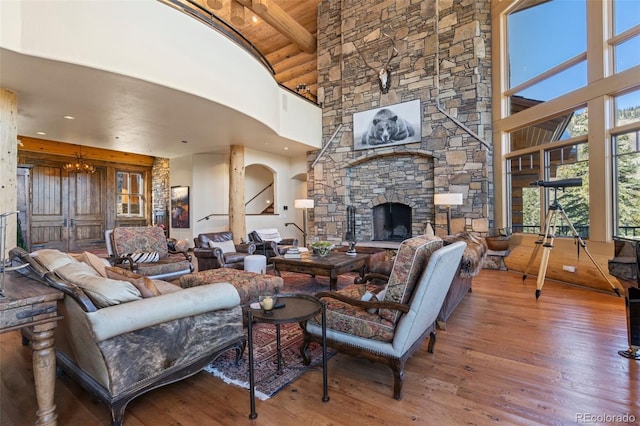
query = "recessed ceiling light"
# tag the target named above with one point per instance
(41, 133)
(254, 19)
(184, 141)
(286, 148)
(69, 117)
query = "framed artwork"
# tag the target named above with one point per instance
(390, 125)
(180, 207)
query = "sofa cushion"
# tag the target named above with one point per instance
(356, 321)
(102, 291)
(145, 285)
(225, 246)
(53, 259)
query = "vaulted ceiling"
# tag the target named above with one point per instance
(284, 31)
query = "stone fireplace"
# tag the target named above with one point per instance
(455, 97)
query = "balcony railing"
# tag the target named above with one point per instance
(582, 230)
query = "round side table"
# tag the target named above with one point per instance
(298, 307)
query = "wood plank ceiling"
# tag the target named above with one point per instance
(284, 31)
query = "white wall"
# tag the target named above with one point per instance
(151, 41)
(208, 178)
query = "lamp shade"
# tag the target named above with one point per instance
(303, 203)
(449, 199)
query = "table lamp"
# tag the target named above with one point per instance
(448, 200)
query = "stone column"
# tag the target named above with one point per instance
(237, 222)
(8, 161)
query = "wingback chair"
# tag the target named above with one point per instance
(144, 250)
(217, 250)
(390, 330)
(269, 242)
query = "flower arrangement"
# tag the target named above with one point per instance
(322, 248)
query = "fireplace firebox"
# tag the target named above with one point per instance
(391, 222)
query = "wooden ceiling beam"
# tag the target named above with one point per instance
(275, 16)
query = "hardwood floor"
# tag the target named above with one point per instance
(505, 358)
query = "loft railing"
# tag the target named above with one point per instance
(201, 14)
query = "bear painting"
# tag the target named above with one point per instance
(387, 127)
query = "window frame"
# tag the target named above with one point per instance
(142, 194)
(602, 84)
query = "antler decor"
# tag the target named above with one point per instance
(384, 73)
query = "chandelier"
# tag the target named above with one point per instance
(79, 166)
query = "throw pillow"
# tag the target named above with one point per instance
(102, 291)
(145, 285)
(99, 264)
(374, 296)
(53, 259)
(225, 246)
(144, 257)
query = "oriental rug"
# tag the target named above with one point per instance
(268, 383)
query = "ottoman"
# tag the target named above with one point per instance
(255, 263)
(248, 284)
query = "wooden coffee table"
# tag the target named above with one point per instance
(336, 263)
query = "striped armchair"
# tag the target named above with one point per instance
(144, 250)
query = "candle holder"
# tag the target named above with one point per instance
(268, 302)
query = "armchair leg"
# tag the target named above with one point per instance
(398, 380)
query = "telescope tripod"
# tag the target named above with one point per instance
(545, 241)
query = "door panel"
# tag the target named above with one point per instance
(86, 218)
(68, 209)
(48, 220)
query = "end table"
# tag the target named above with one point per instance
(298, 307)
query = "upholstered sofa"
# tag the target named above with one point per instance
(470, 265)
(144, 250)
(217, 250)
(120, 338)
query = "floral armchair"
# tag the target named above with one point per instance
(388, 327)
(144, 250)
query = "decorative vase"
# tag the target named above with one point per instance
(322, 248)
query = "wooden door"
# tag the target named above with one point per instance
(67, 209)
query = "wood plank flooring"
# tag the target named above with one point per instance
(505, 358)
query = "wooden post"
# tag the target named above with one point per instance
(9, 162)
(237, 222)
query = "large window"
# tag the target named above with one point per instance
(130, 194)
(626, 165)
(540, 68)
(566, 60)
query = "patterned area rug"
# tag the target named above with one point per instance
(268, 383)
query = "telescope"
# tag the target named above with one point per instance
(563, 183)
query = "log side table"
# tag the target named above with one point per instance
(298, 308)
(28, 303)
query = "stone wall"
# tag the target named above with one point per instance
(160, 190)
(453, 154)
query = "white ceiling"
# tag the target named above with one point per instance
(126, 114)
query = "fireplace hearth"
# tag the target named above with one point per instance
(391, 222)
